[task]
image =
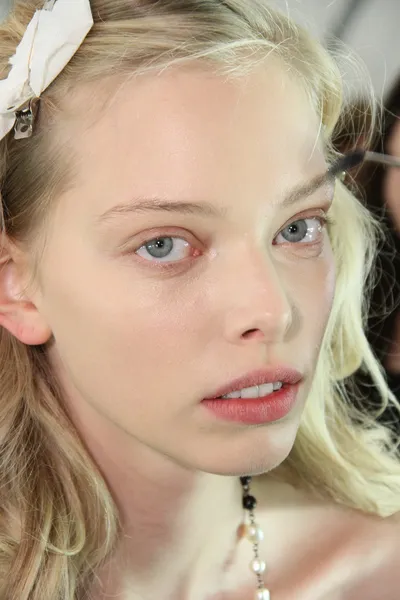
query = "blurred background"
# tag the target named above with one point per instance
(371, 28)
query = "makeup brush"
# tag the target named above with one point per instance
(357, 157)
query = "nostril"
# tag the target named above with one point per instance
(251, 333)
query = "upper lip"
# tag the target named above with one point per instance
(283, 374)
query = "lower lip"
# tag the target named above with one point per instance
(255, 411)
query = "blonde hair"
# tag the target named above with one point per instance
(58, 521)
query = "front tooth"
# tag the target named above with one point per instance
(266, 388)
(250, 392)
(232, 395)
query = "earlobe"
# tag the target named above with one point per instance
(18, 314)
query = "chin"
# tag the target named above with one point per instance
(254, 452)
(254, 465)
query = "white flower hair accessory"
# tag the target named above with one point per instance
(50, 41)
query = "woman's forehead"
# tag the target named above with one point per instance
(199, 114)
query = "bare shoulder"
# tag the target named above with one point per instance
(376, 547)
(340, 553)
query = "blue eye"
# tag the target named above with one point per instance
(164, 249)
(301, 231)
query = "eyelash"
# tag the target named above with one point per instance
(324, 219)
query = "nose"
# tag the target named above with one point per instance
(259, 305)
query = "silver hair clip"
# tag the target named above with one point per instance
(25, 119)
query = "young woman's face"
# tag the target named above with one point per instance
(145, 330)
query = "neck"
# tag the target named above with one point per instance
(181, 548)
(179, 527)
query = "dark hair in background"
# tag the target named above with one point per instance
(385, 297)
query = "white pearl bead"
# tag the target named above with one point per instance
(257, 566)
(262, 594)
(254, 533)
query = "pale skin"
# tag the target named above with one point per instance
(137, 347)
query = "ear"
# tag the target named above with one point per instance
(18, 314)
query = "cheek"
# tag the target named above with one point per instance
(312, 292)
(328, 283)
(114, 331)
(329, 280)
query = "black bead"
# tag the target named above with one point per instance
(245, 480)
(249, 502)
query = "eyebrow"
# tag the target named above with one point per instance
(207, 209)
